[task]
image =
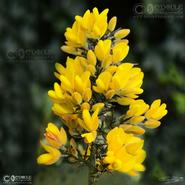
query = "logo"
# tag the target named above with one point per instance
(158, 10)
(16, 179)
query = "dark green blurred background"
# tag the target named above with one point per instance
(31, 33)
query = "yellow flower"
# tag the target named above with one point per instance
(103, 82)
(75, 86)
(135, 113)
(137, 108)
(155, 113)
(140, 114)
(55, 137)
(102, 52)
(108, 54)
(89, 137)
(119, 52)
(49, 158)
(92, 25)
(75, 36)
(125, 153)
(125, 83)
(90, 123)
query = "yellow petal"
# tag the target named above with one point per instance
(98, 106)
(152, 123)
(133, 147)
(112, 23)
(89, 137)
(77, 97)
(121, 33)
(124, 101)
(119, 51)
(91, 57)
(132, 129)
(63, 136)
(136, 120)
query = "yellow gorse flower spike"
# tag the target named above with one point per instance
(49, 158)
(86, 95)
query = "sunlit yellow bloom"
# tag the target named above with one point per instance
(102, 52)
(119, 52)
(95, 23)
(49, 158)
(125, 82)
(66, 111)
(156, 111)
(137, 108)
(89, 123)
(74, 77)
(125, 153)
(75, 86)
(75, 36)
(92, 25)
(108, 54)
(55, 137)
(103, 82)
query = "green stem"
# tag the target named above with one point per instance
(92, 177)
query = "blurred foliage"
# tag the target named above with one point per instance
(156, 44)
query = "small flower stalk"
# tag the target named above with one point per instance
(96, 79)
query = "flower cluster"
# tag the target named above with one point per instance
(86, 97)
